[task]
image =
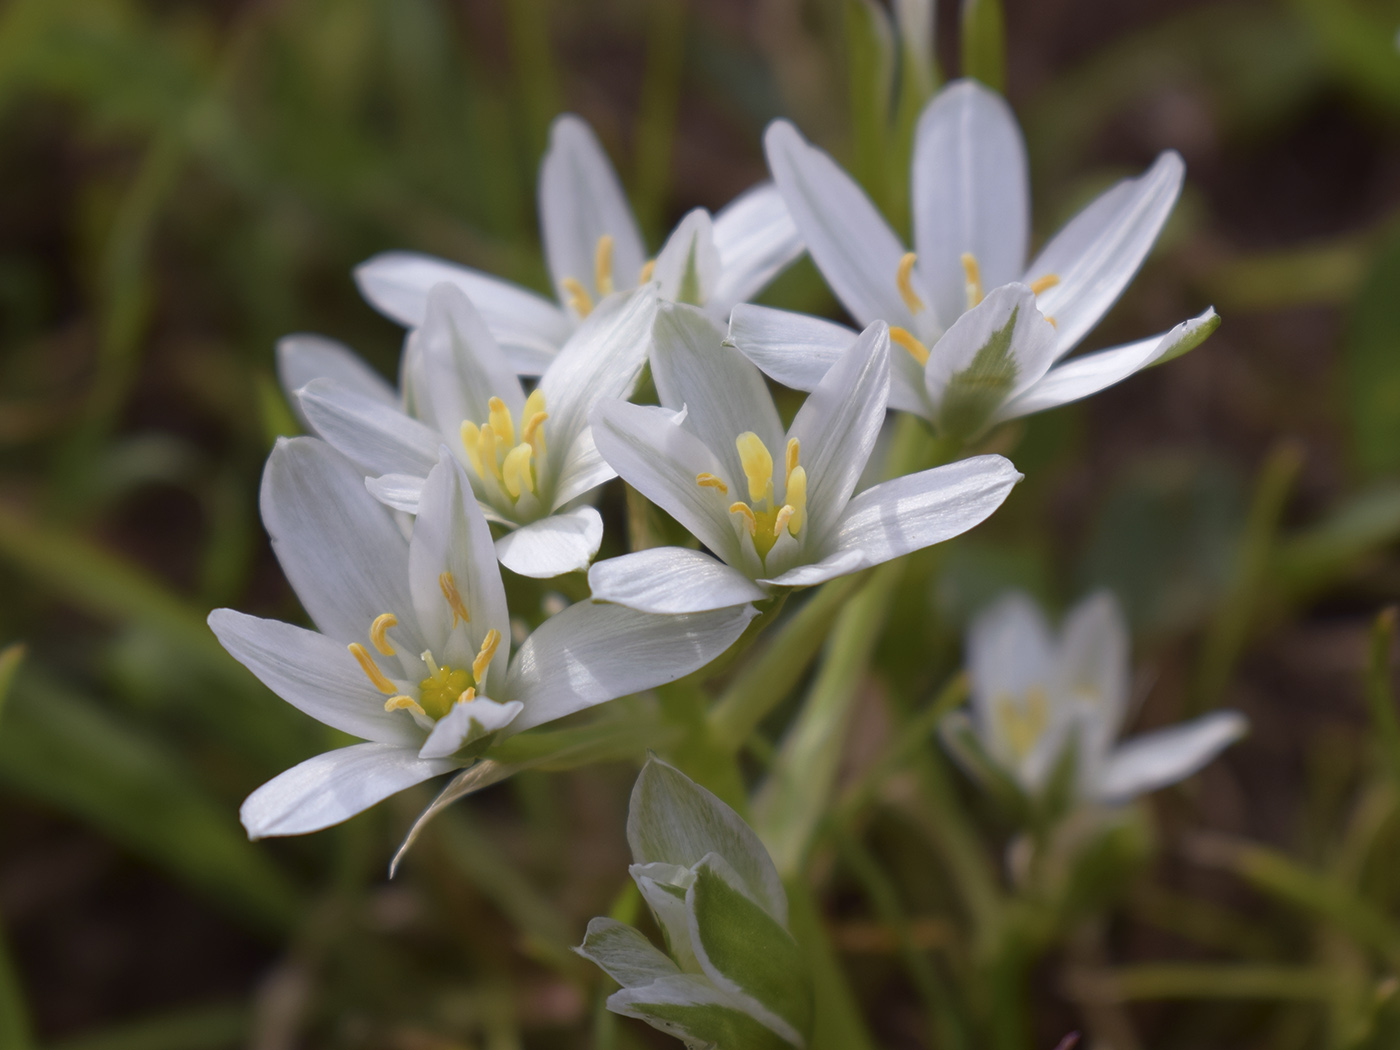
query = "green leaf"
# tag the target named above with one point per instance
(10, 658)
(14, 1016)
(673, 820)
(984, 42)
(693, 1010)
(870, 68)
(624, 954)
(738, 943)
(1373, 366)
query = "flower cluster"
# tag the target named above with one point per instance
(393, 519)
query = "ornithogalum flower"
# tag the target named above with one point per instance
(593, 249)
(979, 331)
(530, 459)
(775, 508)
(412, 651)
(1035, 696)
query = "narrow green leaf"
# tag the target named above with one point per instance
(870, 69)
(984, 42)
(15, 1032)
(1373, 366)
(205, 1028)
(10, 658)
(1380, 696)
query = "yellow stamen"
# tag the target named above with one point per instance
(707, 480)
(973, 273)
(501, 421)
(483, 658)
(427, 657)
(902, 280)
(454, 598)
(468, 695)
(648, 268)
(516, 473)
(371, 669)
(486, 449)
(796, 497)
(533, 416)
(1022, 725)
(377, 630)
(602, 265)
(758, 465)
(579, 298)
(784, 516)
(1052, 321)
(404, 703)
(794, 449)
(906, 339)
(471, 441)
(745, 512)
(1044, 284)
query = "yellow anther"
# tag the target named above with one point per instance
(377, 634)
(471, 441)
(532, 418)
(468, 695)
(516, 473)
(903, 281)
(1023, 724)
(483, 658)
(707, 480)
(579, 298)
(501, 421)
(746, 512)
(1044, 284)
(757, 463)
(794, 449)
(796, 498)
(602, 265)
(906, 339)
(371, 669)
(648, 268)
(454, 598)
(486, 450)
(404, 703)
(1052, 321)
(785, 514)
(973, 273)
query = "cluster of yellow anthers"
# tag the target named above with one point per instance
(975, 295)
(492, 449)
(443, 686)
(763, 516)
(1023, 724)
(579, 299)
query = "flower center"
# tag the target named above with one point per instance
(442, 686)
(1023, 724)
(493, 452)
(762, 516)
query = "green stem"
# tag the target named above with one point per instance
(1380, 698)
(837, 1021)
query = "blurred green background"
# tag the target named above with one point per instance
(181, 183)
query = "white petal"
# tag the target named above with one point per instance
(314, 674)
(590, 653)
(624, 954)
(450, 535)
(687, 267)
(1099, 250)
(1155, 760)
(661, 459)
(583, 469)
(529, 327)
(462, 367)
(992, 353)
(601, 361)
(302, 358)
(837, 426)
(848, 239)
(757, 239)
(1088, 374)
(581, 200)
(340, 549)
(399, 491)
(552, 546)
(1009, 650)
(722, 392)
(971, 193)
(919, 510)
(673, 994)
(333, 787)
(379, 438)
(671, 580)
(842, 563)
(1093, 669)
(468, 721)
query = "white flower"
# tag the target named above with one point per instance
(413, 648)
(980, 330)
(1034, 695)
(593, 248)
(530, 459)
(777, 509)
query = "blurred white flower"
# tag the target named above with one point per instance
(412, 654)
(1034, 696)
(980, 331)
(530, 459)
(775, 508)
(593, 249)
